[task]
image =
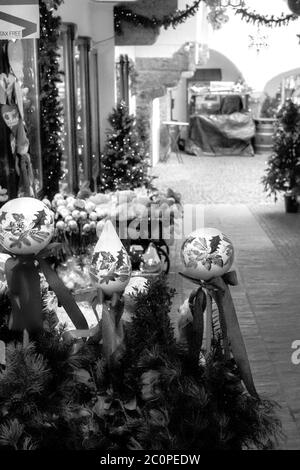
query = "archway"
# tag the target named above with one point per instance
(228, 72)
(276, 83)
(165, 78)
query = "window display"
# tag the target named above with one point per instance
(68, 101)
(78, 91)
(82, 83)
(95, 127)
(20, 155)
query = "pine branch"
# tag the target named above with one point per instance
(11, 434)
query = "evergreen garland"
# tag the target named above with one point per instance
(124, 163)
(179, 17)
(265, 20)
(49, 100)
(283, 171)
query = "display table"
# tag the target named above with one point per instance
(221, 134)
(174, 129)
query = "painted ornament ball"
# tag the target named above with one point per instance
(26, 226)
(207, 253)
(111, 266)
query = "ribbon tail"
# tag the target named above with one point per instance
(2, 354)
(197, 305)
(24, 290)
(64, 296)
(112, 335)
(228, 313)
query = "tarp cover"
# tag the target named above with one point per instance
(221, 134)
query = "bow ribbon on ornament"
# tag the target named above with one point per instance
(110, 328)
(218, 289)
(23, 281)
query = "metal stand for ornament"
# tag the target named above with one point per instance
(144, 239)
(202, 326)
(174, 131)
(109, 328)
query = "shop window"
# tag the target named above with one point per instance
(19, 103)
(67, 96)
(78, 90)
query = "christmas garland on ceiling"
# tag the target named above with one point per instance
(251, 16)
(49, 100)
(179, 17)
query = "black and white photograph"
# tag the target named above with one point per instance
(149, 230)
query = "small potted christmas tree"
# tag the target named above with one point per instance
(283, 171)
(125, 161)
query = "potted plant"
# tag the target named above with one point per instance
(283, 171)
(269, 107)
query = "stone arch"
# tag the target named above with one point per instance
(157, 75)
(272, 85)
(230, 72)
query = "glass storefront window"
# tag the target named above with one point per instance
(66, 86)
(20, 91)
(78, 91)
(31, 103)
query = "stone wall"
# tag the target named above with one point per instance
(155, 76)
(158, 74)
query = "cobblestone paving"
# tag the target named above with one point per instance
(267, 262)
(214, 180)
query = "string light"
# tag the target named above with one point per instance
(180, 16)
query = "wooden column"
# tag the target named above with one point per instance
(124, 78)
(84, 46)
(68, 33)
(121, 71)
(95, 128)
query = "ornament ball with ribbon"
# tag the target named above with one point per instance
(110, 271)
(207, 256)
(26, 229)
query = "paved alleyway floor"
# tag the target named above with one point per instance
(267, 261)
(214, 180)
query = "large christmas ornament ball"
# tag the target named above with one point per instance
(26, 226)
(207, 253)
(111, 266)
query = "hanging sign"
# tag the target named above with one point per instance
(19, 19)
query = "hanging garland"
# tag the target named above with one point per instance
(179, 17)
(265, 20)
(50, 106)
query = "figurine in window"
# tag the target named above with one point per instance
(192, 107)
